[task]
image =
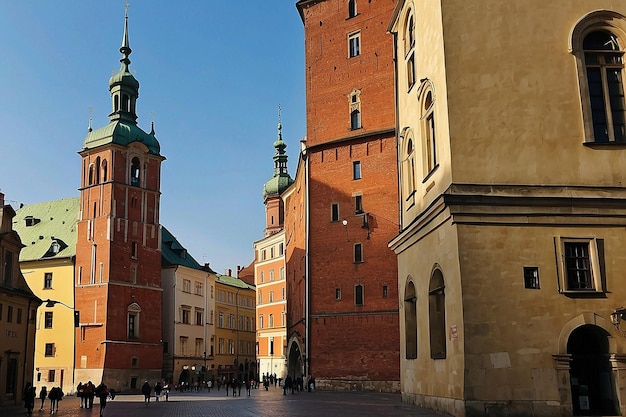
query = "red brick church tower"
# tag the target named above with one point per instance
(118, 261)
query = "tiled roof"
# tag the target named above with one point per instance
(234, 282)
(47, 230)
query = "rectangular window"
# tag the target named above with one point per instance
(354, 44)
(199, 288)
(356, 170)
(358, 204)
(410, 71)
(199, 318)
(186, 285)
(185, 316)
(49, 349)
(48, 320)
(271, 275)
(531, 277)
(283, 293)
(385, 291)
(431, 153)
(220, 346)
(581, 265)
(358, 295)
(334, 212)
(337, 294)
(10, 314)
(47, 280)
(51, 375)
(271, 321)
(272, 252)
(261, 321)
(133, 253)
(281, 272)
(281, 249)
(358, 253)
(183, 345)
(271, 296)
(132, 326)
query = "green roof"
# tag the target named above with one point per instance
(234, 282)
(121, 133)
(47, 230)
(173, 253)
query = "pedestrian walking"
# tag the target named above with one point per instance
(157, 391)
(88, 392)
(43, 394)
(29, 398)
(209, 385)
(248, 386)
(102, 392)
(145, 390)
(80, 393)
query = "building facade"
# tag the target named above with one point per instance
(188, 315)
(118, 261)
(352, 199)
(48, 232)
(235, 332)
(511, 155)
(18, 307)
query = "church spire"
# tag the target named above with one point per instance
(123, 86)
(281, 179)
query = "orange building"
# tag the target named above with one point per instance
(118, 261)
(351, 178)
(269, 271)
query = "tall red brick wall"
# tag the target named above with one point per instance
(351, 346)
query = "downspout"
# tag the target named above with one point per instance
(398, 150)
(307, 277)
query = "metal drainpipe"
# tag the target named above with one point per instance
(307, 277)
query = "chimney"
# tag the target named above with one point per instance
(229, 272)
(1, 200)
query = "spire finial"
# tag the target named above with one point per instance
(280, 126)
(125, 48)
(152, 124)
(89, 129)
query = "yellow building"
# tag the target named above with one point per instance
(235, 335)
(18, 305)
(48, 232)
(512, 147)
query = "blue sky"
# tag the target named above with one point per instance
(213, 74)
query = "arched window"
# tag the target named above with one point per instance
(116, 103)
(429, 144)
(97, 170)
(604, 64)
(91, 174)
(352, 8)
(437, 315)
(133, 320)
(135, 172)
(105, 172)
(410, 320)
(410, 167)
(125, 102)
(598, 43)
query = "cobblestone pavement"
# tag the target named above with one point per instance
(261, 403)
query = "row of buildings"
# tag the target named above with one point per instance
(453, 230)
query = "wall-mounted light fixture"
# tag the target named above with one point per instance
(345, 224)
(617, 316)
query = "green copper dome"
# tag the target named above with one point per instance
(121, 133)
(281, 180)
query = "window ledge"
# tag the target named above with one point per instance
(584, 293)
(605, 145)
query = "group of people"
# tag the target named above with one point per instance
(160, 389)
(30, 394)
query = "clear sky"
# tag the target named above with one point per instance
(211, 72)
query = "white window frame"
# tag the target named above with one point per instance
(594, 267)
(354, 44)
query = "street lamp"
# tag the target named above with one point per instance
(50, 304)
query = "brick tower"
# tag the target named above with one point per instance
(118, 261)
(350, 337)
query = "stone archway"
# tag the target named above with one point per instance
(294, 361)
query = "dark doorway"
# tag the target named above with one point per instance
(591, 376)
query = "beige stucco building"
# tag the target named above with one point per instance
(512, 147)
(188, 312)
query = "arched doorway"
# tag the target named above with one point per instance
(294, 362)
(591, 375)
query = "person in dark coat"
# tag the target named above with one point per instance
(29, 398)
(43, 394)
(102, 392)
(157, 391)
(55, 395)
(145, 390)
